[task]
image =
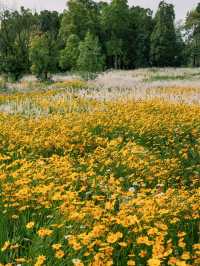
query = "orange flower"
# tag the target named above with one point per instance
(59, 254)
(40, 260)
(143, 253)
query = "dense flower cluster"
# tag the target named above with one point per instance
(102, 183)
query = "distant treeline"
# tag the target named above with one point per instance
(92, 37)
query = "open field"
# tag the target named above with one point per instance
(104, 172)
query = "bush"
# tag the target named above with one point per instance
(3, 85)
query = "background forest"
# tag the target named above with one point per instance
(91, 37)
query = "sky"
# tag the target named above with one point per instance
(181, 6)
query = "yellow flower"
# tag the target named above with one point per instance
(131, 263)
(20, 260)
(152, 231)
(123, 244)
(196, 246)
(56, 246)
(42, 232)
(5, 246)
(154, 262)
(59, 254)
(109, 263)
(40, 260)
(30, 225)
(15, 246)
(172, 261)
(181, 243)
(144, 240)
(181, 234)
(73, 242)
(114, 237)
(185, 256)
(15, 216)
(181, 263)
(77, 262)
(72, 144)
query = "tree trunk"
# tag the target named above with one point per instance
(115, 62)
(45, 75)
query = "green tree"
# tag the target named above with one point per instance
(115, 24)
(141, 27)
(80, 17)
(192, 27)
(15, 32)
(69, 55)
(163, 39)
(90, 59)
(49, 21)
(181, 57)
(43, 56)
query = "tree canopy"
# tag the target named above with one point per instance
(163, 38)
(69, 55)
(90, 58)
(193, 30)
(126, 37)
(15, 32)
(42, 55)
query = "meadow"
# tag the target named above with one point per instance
(103, 172)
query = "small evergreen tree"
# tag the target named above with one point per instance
(43, 56)
(90, 59)
(69, 55)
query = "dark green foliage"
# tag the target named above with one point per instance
(90, 59)
(163, 39)
(80, 17)
(15, 32)
(181, 56)
(115, 24)
(69, 55)
(193, 31)
(141, 26)
(129, 37)
(49, 22)
(43, 55)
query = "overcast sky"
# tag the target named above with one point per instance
(182, 6)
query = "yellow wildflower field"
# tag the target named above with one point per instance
(91, 182)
